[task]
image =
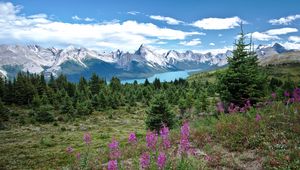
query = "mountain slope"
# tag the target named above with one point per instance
(144, 62)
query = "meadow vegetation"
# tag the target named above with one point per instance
(241, 117)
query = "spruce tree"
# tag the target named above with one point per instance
(94, 84)
(159, 114)
(243, 79)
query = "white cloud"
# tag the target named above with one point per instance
(193, 42)
(214, 51)
(218, 23)
(212, 44)
(133, 12)
(284, 20)
(295, 39)
(87, 19)
(281, 31)
(127, 35)
(263, 36)
(76, 18)
(161, 42)
(290, 45)
(168, 20)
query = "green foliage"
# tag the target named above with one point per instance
(84, 107)
(43, 114)
(243, 79)
(159, 114)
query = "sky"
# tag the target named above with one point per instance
(102, 25)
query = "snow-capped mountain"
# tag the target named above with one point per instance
(76, 62)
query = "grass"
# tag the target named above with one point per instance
(284, 72)
(232, 141)
(43, 146)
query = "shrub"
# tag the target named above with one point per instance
(159, 114)
(43, 114)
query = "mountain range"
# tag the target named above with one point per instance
(76, 62)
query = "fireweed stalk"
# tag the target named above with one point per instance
(164, 134)
(114, 151)
(151, 140)
(184, 138)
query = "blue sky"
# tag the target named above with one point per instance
(199, 25)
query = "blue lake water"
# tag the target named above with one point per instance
(164, 77)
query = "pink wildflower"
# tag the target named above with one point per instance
(296, 95)
(87, 138)
(287, 94)
(258, 117)
(243, 110)
(164, 133)
(145, 160)
(114, 149)
(161, 160)
(184, 139)
(132, 138)
(220, 107)
(273, 95)
(232, 108)
(112, 165)
(70, 149)
(207, 158)
(151, 139)
(78, 156)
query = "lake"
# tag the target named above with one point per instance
(167, 76)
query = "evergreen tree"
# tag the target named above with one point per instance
(146, 83)
(159, 114)
(156, 83)
(115, 84)
(2, 87)
(82, 85)
(84, 107)
(67, 106)
(243, 79)
(94, 84)
(36, 101)
(43, 114)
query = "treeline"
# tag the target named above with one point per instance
(82, 98)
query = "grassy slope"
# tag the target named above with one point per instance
(231, 144)
(283, 72)
(44, 146)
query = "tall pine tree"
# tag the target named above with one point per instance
(243, 79)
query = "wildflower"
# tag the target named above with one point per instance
(296, 95)
(164, 133)
(243, 110)
(258, 117)
(184, 139)
(114, 149)
(112, 165)
(151, 139)
(78, 156)
(161, 160)
(287, 94)
(132, 138)
(220, 107)
(248, 103)
(232, 108)
(87, 138)
(273, 95)
(145, 160)
(70, 149)
(291, 100)
(114, 144)
(207, 158)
